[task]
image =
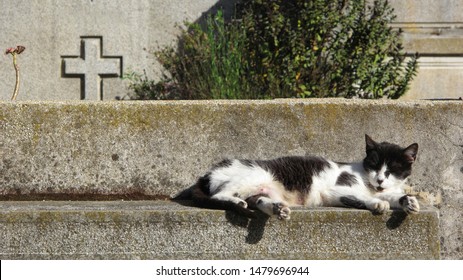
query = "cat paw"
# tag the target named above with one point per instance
(381, 207)
(409, 204)
(282, 211)
(243, 204)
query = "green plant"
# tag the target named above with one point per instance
(321, 48)
(210, 62)
(142, 88)
(290, 48)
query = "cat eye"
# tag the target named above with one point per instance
(387, 173)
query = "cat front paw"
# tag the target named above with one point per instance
(409, 204)
(381, 207)
(282, 211)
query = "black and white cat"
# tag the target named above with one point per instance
(273, 186)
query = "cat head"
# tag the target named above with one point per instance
(388, 165)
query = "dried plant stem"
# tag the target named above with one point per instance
(16, 86)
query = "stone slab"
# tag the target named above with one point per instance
(431, 11)
(434, 29)
(439, 76)
(147, 150)
(158, 148)
(165, 230)
(55, 31)
(59, 65)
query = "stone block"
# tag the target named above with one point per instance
(164, 230)
(149, 150)
(433, 29)
(428, 11)
(72, 48)
(439, 77)
(79, 46)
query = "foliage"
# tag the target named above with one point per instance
(289, 48)
(142, 88)
(210, 62)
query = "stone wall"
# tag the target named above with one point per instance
(80, 49)
(156, 149)
(166, 230)
(434, 29)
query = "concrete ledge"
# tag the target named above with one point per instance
(166, 230)
(158, 148)
(152, 150)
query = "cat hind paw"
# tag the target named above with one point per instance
(243, 204)
(282, 211)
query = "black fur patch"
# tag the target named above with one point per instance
(252, 200)
(247, 162)
(403, 199)
(346, 179)
(352, 201)
(295, 173)
(223, 163)
(204, 184)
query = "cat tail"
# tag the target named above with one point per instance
(183, 195)
(202, 199)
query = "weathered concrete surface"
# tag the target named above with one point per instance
(163, 230)
(159, 148)
(52, 33)
(434, 29)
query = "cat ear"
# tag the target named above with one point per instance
(371, 144)
(410, 152)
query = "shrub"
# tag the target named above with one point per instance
(210, 62)
(327, 48)
(292, 48)
(142, 88)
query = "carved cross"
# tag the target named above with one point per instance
(91, 67)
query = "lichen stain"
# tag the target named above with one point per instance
(97, 216)
(44, 219)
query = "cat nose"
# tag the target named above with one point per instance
(380, 181)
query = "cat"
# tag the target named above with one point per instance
(273, 186)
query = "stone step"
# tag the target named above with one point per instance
(168, 230)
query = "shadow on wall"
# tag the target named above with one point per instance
(227, 6)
